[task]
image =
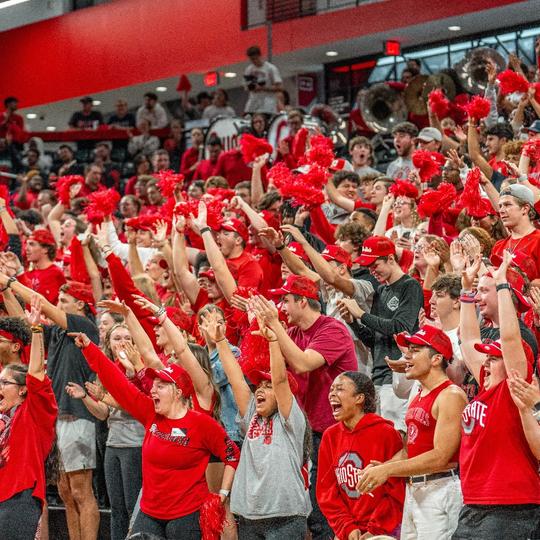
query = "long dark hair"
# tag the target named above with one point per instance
(363, 385)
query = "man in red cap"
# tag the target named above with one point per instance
(433, 497)
(43, 276)
(317, 348)
(233, 266)
(396, 306)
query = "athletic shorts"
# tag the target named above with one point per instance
(76, 444)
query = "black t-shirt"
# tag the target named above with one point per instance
(126, 121)
(86, 121)
(66, 363)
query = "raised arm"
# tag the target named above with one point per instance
(93, 270)
(215, 329)
(386, 208)
(36, 365)
(475, 152)
(7, 221)
(187, 280)
(337, 198)
(257, 190)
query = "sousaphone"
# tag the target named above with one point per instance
(382, 107)
(472, 71)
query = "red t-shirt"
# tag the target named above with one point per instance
(245, 270)
(231, 166)
(421, 423)
(31, 200)
(175, 453)
(496, 463)
(332, 340)
(270, 264)
(29, 441)
(204, 170)
(46, 281)
(342, 456)
(528, 244)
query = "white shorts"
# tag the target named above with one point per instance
(431, 509)
(76, 444)
(391, 407)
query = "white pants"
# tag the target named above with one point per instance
(431, 509)
(391, 407)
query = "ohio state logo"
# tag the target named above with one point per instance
(348, 471)
(473, 414)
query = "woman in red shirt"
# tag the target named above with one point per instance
(359, 438)
(28, 413)
(177, 447)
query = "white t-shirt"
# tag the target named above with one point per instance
(265, 102)
(400, 168)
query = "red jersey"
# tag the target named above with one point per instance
(189, 158)
(245, 270)
(528, 244)
(496, 463)
(342, 456)
(46, 281)
(29, 441)
(175, 452)
(270, 264)
(231, 166)
(421, 423)
(204, 170)
(31, 200)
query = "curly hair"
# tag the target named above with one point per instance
(354, 232)
(18, 327)
(363, 385)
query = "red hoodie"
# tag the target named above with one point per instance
(342, 455)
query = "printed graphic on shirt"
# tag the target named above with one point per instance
(393, 303)
(348, 470)
(475, 412)
(176, 436)
(415, 416)
(261, 426)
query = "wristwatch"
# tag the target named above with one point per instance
(225, 492)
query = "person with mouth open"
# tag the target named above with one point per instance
(270, 493)
(433, 494)
(499, 472)
(359, 438)
(179, 441)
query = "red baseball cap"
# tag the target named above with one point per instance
(176, 374)
(237, 226)
(494, 348)
(256, 376)
(373, 248)
(298, 250)
(300, 285)
(208, 274)
(43, 237)
(428, 336)
(335, 253)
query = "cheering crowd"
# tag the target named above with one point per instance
(278, 342)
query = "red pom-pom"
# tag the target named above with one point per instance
(471, 199)
(4, 194)
(280, 175)
(221, 194)
(532, 149)
(303, 194)
(168, 182)
(212, 517)
(167, 209)
(321, 152)
(404, 188)
(64, 187)
(101, 204)
(315, 176)
(438, 200)
(299, 143)
(439, 104)
(478, 108)
(147, 222)
(536, 87)
(510, 81)
(77, 266)
(253, 147)
(214, 208)
(428, 163)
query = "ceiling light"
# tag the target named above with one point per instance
(161, 88)
(454, 28)
(96, 102)
(229, 74)
(31, 115)
(10, 3)
(331, 53)
(51, 128)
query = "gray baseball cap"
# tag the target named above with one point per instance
(429, 134)
(523, 193)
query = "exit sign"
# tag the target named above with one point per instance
(392, 48)
(211, 78)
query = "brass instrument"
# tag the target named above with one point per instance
(382, 107)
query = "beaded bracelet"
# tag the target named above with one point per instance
(466, 299)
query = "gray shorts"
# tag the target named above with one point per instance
(76, 444)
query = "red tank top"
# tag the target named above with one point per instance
(421, 424)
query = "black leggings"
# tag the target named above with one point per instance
(19, 516)
(184, 528)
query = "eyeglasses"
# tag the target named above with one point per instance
(5, 382)
(401, 203)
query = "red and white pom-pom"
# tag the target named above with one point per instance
(101, 204)
(212, 518)
(478, 108)
(168, 182)
(532, 149)
(428, 163)
(404, 188)
(471, 199)
(279, 175)
(321, 152)
(510, 82)
(64, 187)
(438, 200)
(252, 147)
(439, 104)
